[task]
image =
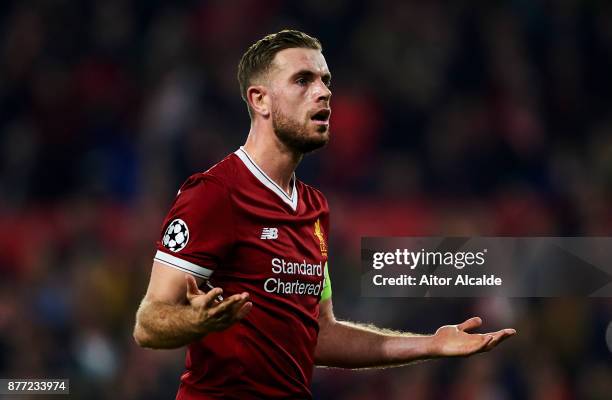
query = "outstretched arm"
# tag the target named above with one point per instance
(349, 345)
(174, 312)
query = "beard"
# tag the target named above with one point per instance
(295, 135)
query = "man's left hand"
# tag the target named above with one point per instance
(455, 341)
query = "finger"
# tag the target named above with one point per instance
(211, 297)
(234, 308)
(235, 314)
(205, 300)
(502, 332)
(239, 311)
(244, 310)
(233, 311)
(486, 341)
(500, 336)
(497, 338)
(220, 309)
(192, 286)
(471, 323)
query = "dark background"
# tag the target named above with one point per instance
(449, 118)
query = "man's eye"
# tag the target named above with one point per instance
(301, 81)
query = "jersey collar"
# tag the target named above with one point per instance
(267, 181)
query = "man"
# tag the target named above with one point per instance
(248, 230)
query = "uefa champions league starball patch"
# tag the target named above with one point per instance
(176, 236)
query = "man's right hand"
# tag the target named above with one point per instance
(211, 314)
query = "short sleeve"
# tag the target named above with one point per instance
(197, 233)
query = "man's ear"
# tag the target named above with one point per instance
(258, 99)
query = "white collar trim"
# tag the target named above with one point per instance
(267, 181)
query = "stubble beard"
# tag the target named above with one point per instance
(295, 135)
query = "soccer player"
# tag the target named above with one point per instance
(254, 238)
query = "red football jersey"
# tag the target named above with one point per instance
(236, 227)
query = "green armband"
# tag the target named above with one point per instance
(327, 291)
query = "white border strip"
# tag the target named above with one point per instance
(185, 266)
(265, 179)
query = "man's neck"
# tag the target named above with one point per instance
(273, 157)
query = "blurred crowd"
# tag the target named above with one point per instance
(449, 118)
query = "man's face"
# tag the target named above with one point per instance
(299, 81)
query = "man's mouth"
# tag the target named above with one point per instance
(321, 116)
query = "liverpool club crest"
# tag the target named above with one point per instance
(318, 232)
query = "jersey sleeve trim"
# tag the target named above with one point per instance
(183, 265)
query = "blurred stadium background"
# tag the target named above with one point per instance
(449, 118)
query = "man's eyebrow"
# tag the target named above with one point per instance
(304, 73)
(309, 73)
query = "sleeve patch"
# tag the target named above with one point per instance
(176, 236)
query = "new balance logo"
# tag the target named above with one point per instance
(269, 233)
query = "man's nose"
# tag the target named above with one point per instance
(323, 92)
